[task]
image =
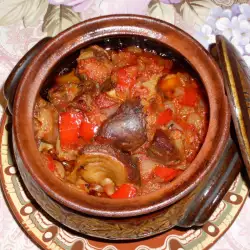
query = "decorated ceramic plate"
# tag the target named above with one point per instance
(49, 235)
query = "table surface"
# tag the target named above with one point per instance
(23, 23)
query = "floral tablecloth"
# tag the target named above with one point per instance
(24, 22)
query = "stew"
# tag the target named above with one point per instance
(121, 123)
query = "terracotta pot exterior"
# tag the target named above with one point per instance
(48, 190)
(192, 210)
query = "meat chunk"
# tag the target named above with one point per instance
(45, 122)
(148, 66)
(94, 70)
(94, 65)
(83, 102)
(124, 58)
(162, 149)
(127, 127)
(61, 95)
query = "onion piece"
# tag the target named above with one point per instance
(151, 85)
(108, 186)
(186, 110)
(170, 105)
(113, 94)
(97, 167)
(96, 187)
(59, 170)
(147, 165)
(68, 155)
(184, 78)
(45, 146)
(178, 91)
(107, 112)
(195, 119)
(101, 162)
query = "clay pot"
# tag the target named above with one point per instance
(63, 202)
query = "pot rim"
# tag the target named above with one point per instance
(117, 25)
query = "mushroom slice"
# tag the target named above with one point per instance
(99, 162)
(127, 127)
(45, 121)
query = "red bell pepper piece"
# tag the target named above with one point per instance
(87, 130)
(126, 77)
(51, 163)
(125, 191)
(165, 117)
(190, 97)
(69, 127)
(167, 174)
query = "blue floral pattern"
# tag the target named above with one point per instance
(232, 23)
